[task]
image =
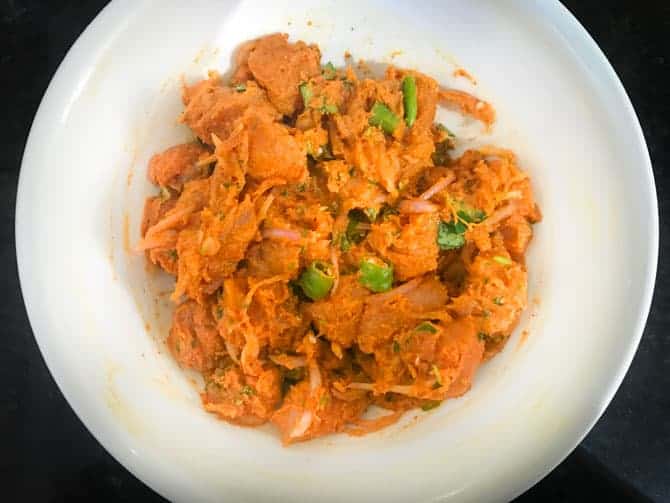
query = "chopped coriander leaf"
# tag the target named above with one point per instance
(430, 404)
(329, 72)
(470, 215)
(426, 326)
(356, 229)
(240, 88)
(301, 187)
(383, 118)
(317, 280)
(343, 242)
(442, 127)
(483, 336)
(173, 254)
(247, 390)
(409, 99)
(502, 260)
(306, 93)
(450, 235)
(441, 155)
(375, 275)
(387, 211)
(498, 301)
(396, 347)
(219, 312)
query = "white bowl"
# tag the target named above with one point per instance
(100, 320)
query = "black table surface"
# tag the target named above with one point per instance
(46, 453)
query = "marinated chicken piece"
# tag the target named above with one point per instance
(179, 164)
(273, 152)
(212, 108)
(194, 340)
(280, 67)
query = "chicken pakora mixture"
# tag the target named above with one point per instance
(330, 251)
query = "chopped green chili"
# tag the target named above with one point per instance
(383, 117)
(430, 404)
(409, 99)
(375, 275)
(306, 93)
(316, 280)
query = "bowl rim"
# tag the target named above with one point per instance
(90, 41)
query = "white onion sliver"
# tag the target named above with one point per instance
(416, 206)
(302, 425)
(289, 361)
(314, 376)
(336, 269)
(437, 187)
(366, 386)
(502, 213)
(403, 390)
(232, 350)
(286, 234)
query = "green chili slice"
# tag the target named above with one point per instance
(409, 99)
(316, 280)
(383, 117)
(375, 275)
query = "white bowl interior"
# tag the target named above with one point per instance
(100, 316)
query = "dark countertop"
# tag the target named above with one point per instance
(46, 453)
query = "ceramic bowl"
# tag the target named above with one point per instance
(100, 316)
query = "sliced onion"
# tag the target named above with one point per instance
(289, 361)
(166, 239)
(302, 425)
(366, 386)
(401, 290)
(314, 376)
(403, 390)
(265, 207)
(514, 194)
(336, 269)
(281, 234)
(437, 186)
(502, 213)
(416, 206)
(233, 352)
(168, 221)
